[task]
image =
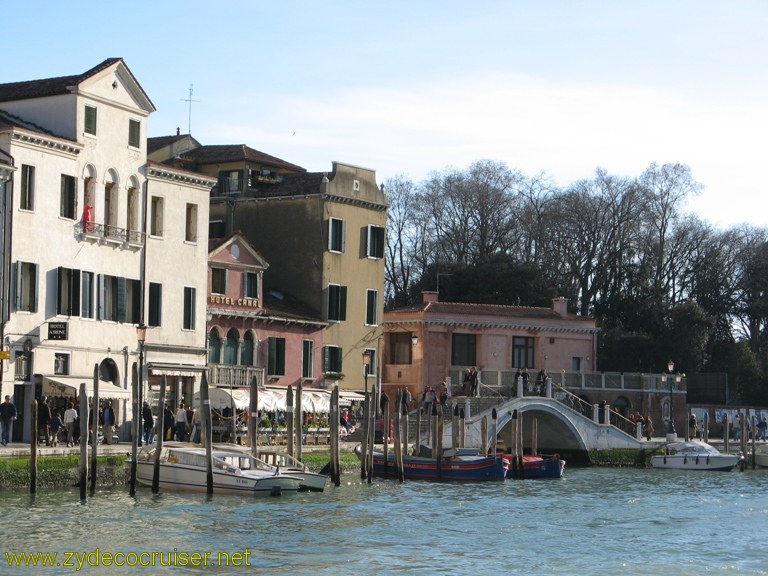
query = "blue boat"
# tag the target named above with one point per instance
(451, 467)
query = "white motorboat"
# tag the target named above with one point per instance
(761, 456)
(694, 455)
(311, 481)
(278, 461)
(183, 467)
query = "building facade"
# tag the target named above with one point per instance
(95, 242)
(437, 341)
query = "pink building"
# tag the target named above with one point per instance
(269, 335)
(434, 341)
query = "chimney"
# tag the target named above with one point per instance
(178, 131)
(560, 306)
(428, 296)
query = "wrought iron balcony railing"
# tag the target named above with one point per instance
(105, 232)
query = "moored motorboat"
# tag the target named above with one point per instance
(694, 455)
(453, 466)
(183, 467)
(287, 464)
(761, 456)
(535, 466)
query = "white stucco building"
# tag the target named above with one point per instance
(95, 241)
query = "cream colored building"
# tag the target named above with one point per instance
(96, 241)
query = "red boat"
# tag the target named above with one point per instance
(535, 466)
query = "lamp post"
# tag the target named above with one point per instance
(141, 336)
(671, 432)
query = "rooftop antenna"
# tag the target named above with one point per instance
(189, 101)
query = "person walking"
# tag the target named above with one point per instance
(44, 420)
(107, 421)
(7, 417)
(148, 421)
(70, 415)
(181, 423)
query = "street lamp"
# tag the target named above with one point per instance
(141, 336)
(671, 432)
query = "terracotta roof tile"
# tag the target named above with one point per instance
(213, 154)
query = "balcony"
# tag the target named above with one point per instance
(107, 234)
(226, 375)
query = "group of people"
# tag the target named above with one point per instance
(643, 423)
(755, 426)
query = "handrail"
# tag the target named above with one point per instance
(574, 402)
(481, 386)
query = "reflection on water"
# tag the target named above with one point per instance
(610, 521)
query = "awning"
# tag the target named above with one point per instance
(221, 398)
(70, 386)
(346, 397)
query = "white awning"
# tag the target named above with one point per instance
(70, 386)
(346, 397)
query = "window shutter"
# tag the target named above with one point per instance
(121, 299)
(74, 295)
(33, 287)
(100, 296)
(343, 236)
(342, 302)
(19, 286)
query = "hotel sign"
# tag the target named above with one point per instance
(58, 330)
(244, 302)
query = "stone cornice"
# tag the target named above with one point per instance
(42, 141)
(188, 178)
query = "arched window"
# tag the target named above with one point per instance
(665, 404)
(246, 354)
(230, 347)
(214, 347)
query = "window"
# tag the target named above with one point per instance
(216, 229)
(61, 363)
(27, 200)
(134, 133)
(189, 308)
(86, 289)
(576, 364)
(218, 281)
(156, 222)
(110, 204)
(155, 312)
(133, 210)
(371, 366)
(230, 181)
(337, 302)
(307, 357)
(246, 351)
(332, 359)
(336, 235)
(119, 299)
(522, 352)
(214, 347)
(191, 230)
(400, 347)
(371, 307)
(68, 206)
(67, 291)
(276, 356)
(375, 242)
(463, 349)
(26, 287)
(90, 120)
(250, 285)
(230, 347)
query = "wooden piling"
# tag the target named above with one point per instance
(95, 428)
(494, 441)
(33, 447)
(462, 428)
(335, 429)
(299, 420)
(289, 433)
(136, 414)
(83, 441)
(484, 435)
(253, 417)
(385, 432)
(535, 436)
(398, 446)
(417, 447)
(726, 433)
(706, 426)
(160, 425)
(371, 436)
(404, 415)
(205, 397)
(364, 443)
(455, 427)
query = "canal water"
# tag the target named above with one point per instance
(592, 521)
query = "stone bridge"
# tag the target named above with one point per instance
(558, 427)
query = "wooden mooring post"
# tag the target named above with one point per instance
(253, 417)
(159, 437)
(289, 434)
(334, 444)
(205, 397)
(95, 428)
(364, 443)
(136, 414)
(83, 442)
(33, 447)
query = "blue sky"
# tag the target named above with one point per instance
(409, 87)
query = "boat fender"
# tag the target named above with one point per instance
(665, 458)
(707, 458)
(685, 460)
